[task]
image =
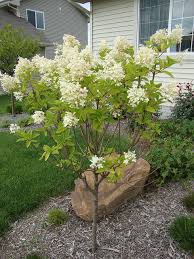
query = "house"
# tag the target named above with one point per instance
(47, 19)
(139, 19)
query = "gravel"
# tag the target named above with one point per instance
(137, 230)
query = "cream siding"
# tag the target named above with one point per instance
(111, 18)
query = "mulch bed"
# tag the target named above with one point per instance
(137, 230)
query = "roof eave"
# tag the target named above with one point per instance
(83, 10)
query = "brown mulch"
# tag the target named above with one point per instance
(137, 230)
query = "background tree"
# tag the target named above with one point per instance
(14, 43)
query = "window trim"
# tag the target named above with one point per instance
(35, 11)
(169, 28)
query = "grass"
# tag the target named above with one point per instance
(4, 102)
(25, 181)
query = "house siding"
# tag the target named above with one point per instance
(60, 18)
(111, 18)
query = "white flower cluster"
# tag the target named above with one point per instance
(146, 57)
(176, 34)
(159, 37)
(103, 46)
(24, 66)
(8, 83)
(47, 69)
(169, 91)
(162, 36)
(121, 44)
(38, 117)
(72, 64)
(130, 157)
(97, 162)
(14, 128)
(70, 120)
(18, 96)
(111, 70)
(70, 41)
(136, 95)
(73, 93)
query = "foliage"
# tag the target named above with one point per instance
(25, 122)
(14, 44)
(184, 107)
(171, 156)
(4, 101)
(18, 108)
(78, 92)
(57, 217)
(25, 181)
(5, 123)
(188, 201)
(34, 256)
(182, 231)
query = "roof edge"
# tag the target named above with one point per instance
(82, 1)
(80, 8)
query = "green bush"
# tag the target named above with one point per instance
(182, 231)
(34, 256)
(18, 108)
(184, 128)
(184, 106)
(188, 201)
(171, 155)
(25, 122)
(57, 217)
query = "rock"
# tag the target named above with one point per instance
(111, 195)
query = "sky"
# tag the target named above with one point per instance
(87, 5)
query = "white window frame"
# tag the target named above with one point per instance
(169, 27)
(35, 11)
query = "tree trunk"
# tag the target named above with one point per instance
(95, 213)
(13, 105)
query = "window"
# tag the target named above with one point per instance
(183, 13)
(154, 15)
(159, 14)
(36, 18)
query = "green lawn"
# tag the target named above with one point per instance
(25, 181)
(4, 102)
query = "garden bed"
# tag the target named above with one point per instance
(137, 230)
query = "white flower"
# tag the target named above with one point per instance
(176, 34)
(130, 157)
(121, 43)
(146, 57)
(97, 162)
(73, 93)
(160, 36)
(136, 95)
(70, 120)
(18, 96)
(38, 117)
(47, 68)
(70, 41)
(23, 67)
(111, 70)
(14, 128)
(86, 54)
(8, 83)
(169, 91)
(103, 46)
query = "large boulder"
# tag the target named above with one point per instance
(111, 195)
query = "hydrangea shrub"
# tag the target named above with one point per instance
(81, 93)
